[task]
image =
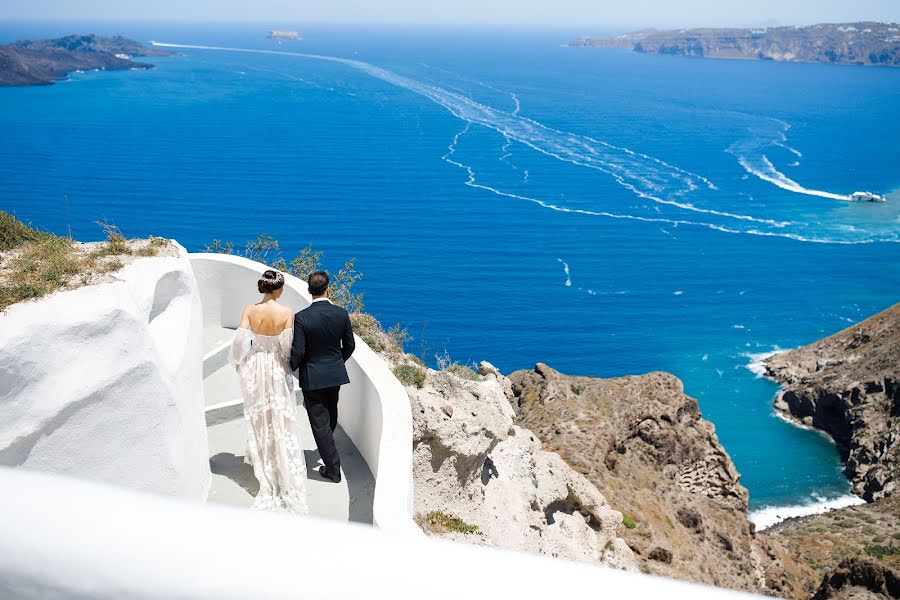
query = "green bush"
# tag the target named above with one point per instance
(879, 551)
(14, 233)
(628, 521)
(441, 522)
(410, 375)
(464, 372)
(398, 336)
(265, 249)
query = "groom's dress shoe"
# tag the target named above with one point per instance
(333, 477)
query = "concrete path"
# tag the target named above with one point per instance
(233, 481)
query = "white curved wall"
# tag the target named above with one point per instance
(374, 408)
(66, 539)
(104, 382)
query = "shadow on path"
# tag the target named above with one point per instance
(234, 468)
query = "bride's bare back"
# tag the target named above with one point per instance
(267, 318)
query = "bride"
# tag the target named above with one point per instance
(261, 354)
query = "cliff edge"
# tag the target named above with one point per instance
(645, 444)
(848, 385)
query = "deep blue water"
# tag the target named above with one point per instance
(507, 198)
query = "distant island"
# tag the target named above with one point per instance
(866, 43)
(42, 62)
(283, 34)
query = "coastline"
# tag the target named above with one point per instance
(771, 519)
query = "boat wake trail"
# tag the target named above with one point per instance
(750, 153)
(668, 190)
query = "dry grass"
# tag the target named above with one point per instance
(440, 522)
(34, 263)
(410, 375)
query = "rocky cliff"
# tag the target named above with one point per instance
(42, 62)
(626, 471)
(867, 43)
(853, 550)
(848, 385)
(645, 445)
(475, 468)
(101, 379)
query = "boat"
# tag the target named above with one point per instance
(283, 34)
(867, 197)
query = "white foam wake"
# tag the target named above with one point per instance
(471, 181)
(566, 270)
(768, 516)
(652, 179)
(751, 155)
(646, 176)
(763, 168)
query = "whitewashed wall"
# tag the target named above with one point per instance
(104, 382)
(67, 539)
(374, 408)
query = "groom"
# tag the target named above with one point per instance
(323, 341)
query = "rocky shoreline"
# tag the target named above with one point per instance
(625, 472)
(848, 386)
(43, 62)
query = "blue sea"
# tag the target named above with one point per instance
(507, 197)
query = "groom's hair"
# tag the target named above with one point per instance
(318, 283)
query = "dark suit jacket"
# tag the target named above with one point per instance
(323, 341)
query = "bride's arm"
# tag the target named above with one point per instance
(241, 343)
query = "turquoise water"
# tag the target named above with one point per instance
(508, 198)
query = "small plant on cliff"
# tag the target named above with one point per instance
(449, 373)
(369, 329)
(267, 250)
(14, 233)
(464, 371)
(153, 247)
(880, 552)
(440, 522)
(628, 521)
(115, 244)
(263, 249)
(398, 335)
(410, 375)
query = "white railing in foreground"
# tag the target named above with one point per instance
(374, 408)
(67, 538)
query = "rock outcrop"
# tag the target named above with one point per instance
(866, 43)
(832, 543)
(645, 445)
(472, 463)
(859, 579)
(848, 385)
(104, 382)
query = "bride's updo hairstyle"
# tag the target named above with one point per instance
(270, 281)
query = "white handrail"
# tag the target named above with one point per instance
(375, 410)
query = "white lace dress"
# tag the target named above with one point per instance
(270, 412)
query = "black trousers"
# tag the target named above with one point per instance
(321, 408)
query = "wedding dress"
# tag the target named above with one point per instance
(273, 449)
